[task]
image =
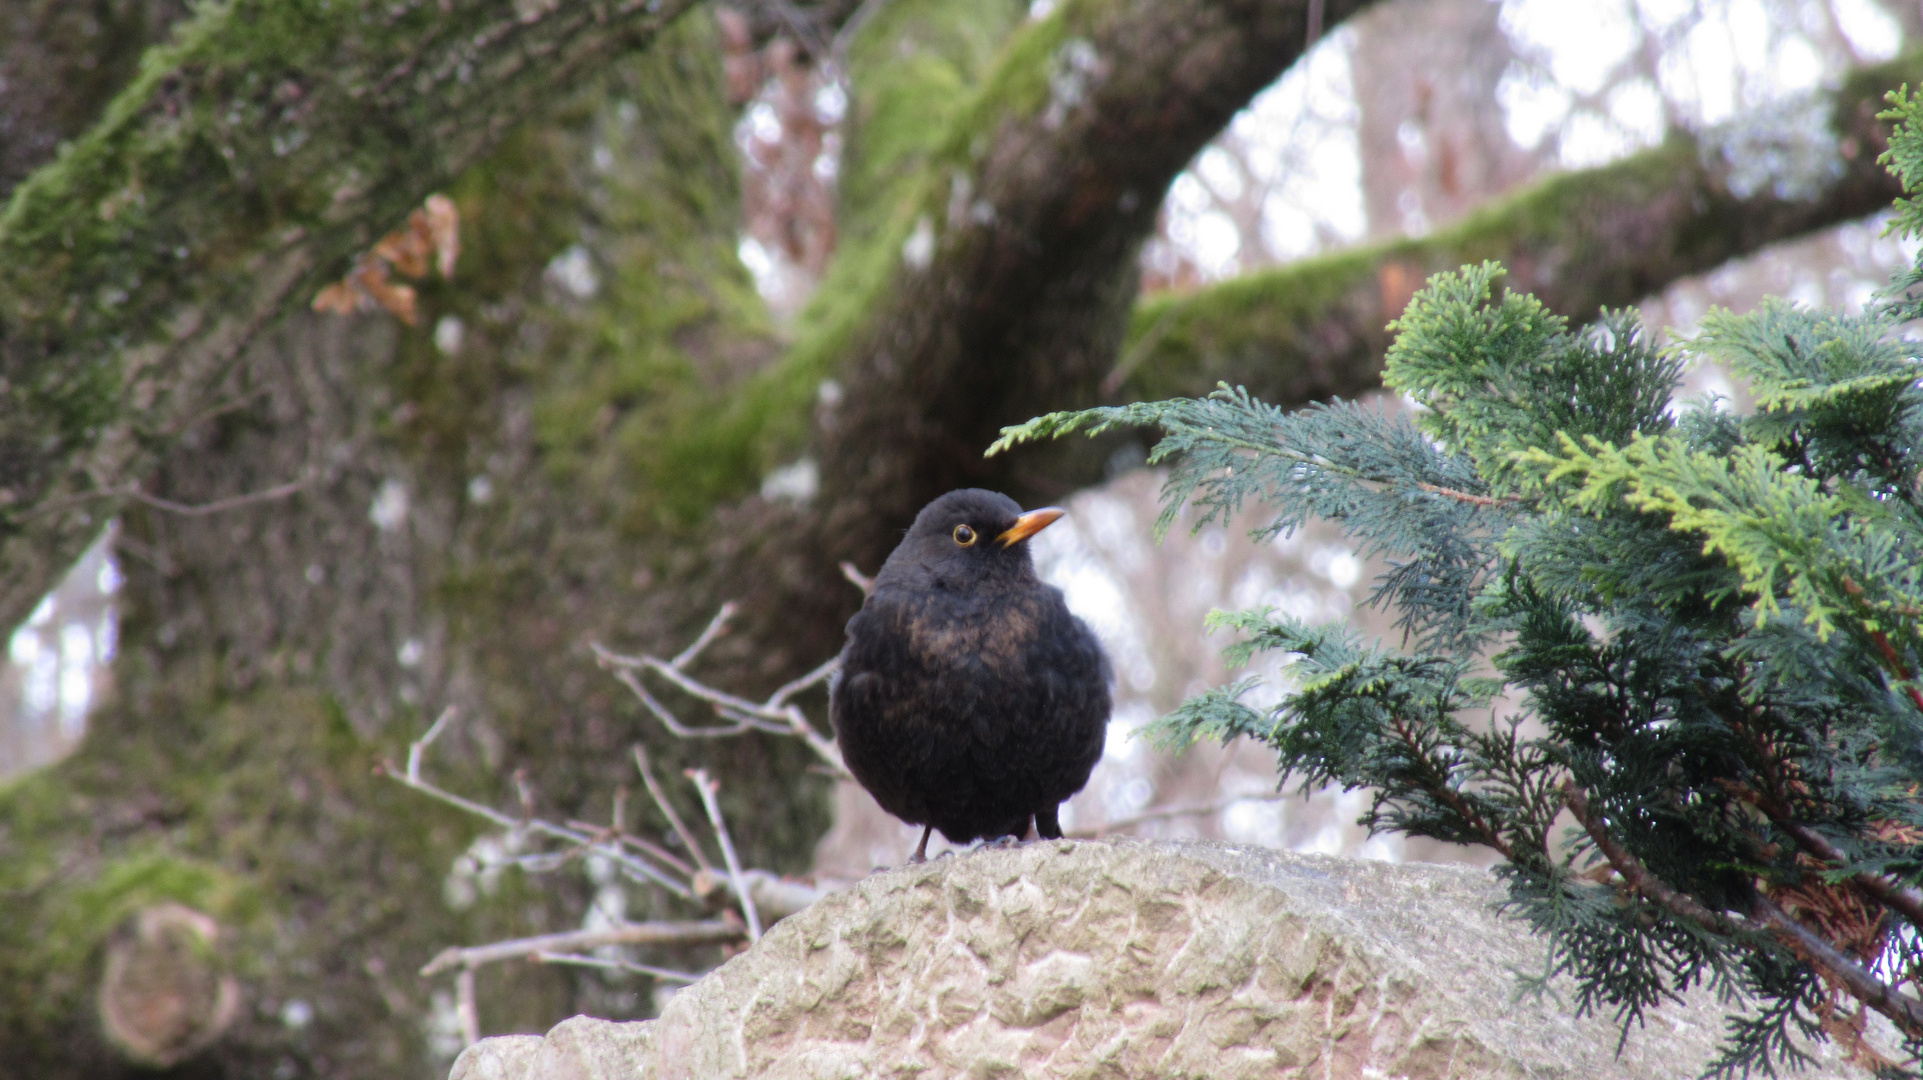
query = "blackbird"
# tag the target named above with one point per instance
(969, 699)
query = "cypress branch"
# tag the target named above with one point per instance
(1715, 622)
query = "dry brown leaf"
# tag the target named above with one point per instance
(340, 298)
(1891, 832)
(431, 237)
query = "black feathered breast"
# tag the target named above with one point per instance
(970, 699)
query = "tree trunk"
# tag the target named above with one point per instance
(60, 64)
(245, 165)
(461, 541)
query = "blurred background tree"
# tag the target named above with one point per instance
(739, 289)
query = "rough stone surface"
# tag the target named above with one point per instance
(1127, 959)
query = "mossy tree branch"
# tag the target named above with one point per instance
(996, 282)
(1579, 241)
(1005, 283)
(243, 167)
(986, 273)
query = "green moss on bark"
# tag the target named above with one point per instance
(1580, 240)
(262, 812)
(693, 440)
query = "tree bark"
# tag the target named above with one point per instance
(458, 542)
(243, 168)
(1580, 241)
(59, 66)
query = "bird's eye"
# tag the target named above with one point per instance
(964, 536)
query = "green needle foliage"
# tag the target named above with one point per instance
(1661, 656)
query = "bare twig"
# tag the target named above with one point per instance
(716, 627)
(1166, 812)
(132, 491)
(232, 502)
(706, 785)
(778, 715)
(860, 580)
(465, 1007)
(583, 840)
(668, 719)
(667, 810)
(710, 932)
(419, 746)
(820, 674)
(657, 851)
(665, 974)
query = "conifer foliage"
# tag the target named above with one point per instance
(1661, 656)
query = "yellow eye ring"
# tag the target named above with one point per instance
(965, 536)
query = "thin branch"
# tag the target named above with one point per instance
(706, 785)
(1905, 902)
(1631, 868)
(1825, 958)
(465, 1007)
(657, 851)
(860, 580)
(622, 836)
(821, 674)
(668, 719)
(720, 699)
(1438, 787)
(778, 715)
(1466, 497)
(1835, 966)
(419, 746)
(667, 810)
(716, 627)
(603, 834)
(710, 932)
(665, 974)
(536, 825)
(232, 502)
(1167, 812)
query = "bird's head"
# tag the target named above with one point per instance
(970, 534)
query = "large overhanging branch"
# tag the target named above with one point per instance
(245, 165)
(993, 211)
(1003, 289)
(1579, 241)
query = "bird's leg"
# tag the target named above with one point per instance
(1049, 823)
(921, 850)
(1029, 833)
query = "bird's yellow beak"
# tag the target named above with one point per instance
(1029, 524)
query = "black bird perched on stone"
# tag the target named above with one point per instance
(969, 699)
